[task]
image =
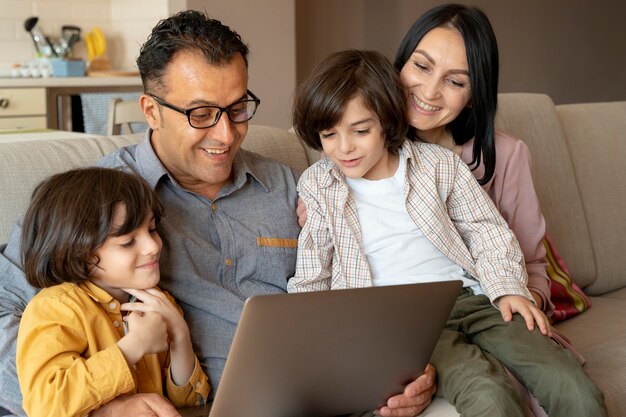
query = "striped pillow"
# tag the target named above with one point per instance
(568, 299)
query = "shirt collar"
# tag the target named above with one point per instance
(246, 163)
(148, 163)
(410, 153)
(331, 173)
(96, 293)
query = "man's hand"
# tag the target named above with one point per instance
(416, 396)
(137, 405)
(510, 304)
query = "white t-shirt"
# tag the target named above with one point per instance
(396, 250)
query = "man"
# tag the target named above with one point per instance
(230, 226)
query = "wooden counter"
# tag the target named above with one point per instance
(20, 97)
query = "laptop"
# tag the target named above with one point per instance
(329, 353)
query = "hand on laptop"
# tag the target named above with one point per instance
(137, 405)
(416, 396)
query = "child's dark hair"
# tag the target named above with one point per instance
(322, 99)
(71, 215)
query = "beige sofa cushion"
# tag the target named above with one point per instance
(596, 138)
(23, 164)
(598, 334)
(552, 176)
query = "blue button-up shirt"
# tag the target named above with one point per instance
(218, 253)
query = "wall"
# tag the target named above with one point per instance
(268, 28)
(125, 23)
(572, 50)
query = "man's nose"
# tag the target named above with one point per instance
(224, 130)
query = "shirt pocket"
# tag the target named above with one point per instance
(276, 259)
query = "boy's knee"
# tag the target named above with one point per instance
(487, 396)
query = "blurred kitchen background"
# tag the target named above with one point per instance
(572, 50)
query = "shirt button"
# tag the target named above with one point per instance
(229, 262)
(197, 384)
(112, 305)
(213, 207)
(116, 323)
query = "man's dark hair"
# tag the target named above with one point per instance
(481, 49)
(71, 215)
(322, 99)
(192, 31)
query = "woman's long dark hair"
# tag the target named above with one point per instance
(477, 120)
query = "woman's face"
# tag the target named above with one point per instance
(436, 77)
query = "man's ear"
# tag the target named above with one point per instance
(150, 111)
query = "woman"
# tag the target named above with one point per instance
(448, 61)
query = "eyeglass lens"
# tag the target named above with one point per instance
(208, 116)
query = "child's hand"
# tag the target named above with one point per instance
(154, 301)
(147, 333)
(181, 352)
(510, 304)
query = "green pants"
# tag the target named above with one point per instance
(474, 345)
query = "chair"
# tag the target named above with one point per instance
(121, 114)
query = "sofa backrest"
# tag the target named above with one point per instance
(596, 139)
(576, 154)
(23, 164)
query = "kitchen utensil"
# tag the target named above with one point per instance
(42, 43)
(69, 36)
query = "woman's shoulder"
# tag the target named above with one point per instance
(508, 148)
(508, 145)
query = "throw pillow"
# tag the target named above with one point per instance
(568, 299)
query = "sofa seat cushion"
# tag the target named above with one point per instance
(617, 294)
(599, 334)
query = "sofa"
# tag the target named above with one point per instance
(577, 152)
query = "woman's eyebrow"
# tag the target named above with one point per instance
(432, 61)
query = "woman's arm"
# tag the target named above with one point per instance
(514, 194)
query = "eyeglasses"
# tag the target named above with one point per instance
(203, 117)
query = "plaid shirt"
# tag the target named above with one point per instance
(446, 204)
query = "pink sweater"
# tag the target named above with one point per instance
(511, 189)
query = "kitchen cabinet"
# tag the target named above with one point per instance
(38, 103)
(22, 108)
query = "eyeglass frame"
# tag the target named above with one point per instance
(220, 110)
